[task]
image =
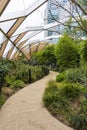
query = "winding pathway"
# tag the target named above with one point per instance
(25, 111)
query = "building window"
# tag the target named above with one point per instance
(64, 1)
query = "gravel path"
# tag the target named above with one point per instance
(25, 111)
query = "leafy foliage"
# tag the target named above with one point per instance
(38, 72)
(2, 99)
(14, 75)
(62, 99)
(70, 91)
(37, 58)
(77, 75)
(6, 67)
(60, 77)
(49, 56)
(83, 52)
(53, 100)
(66, 53)
(22, 73)
(17, 84)
(78, 121)
(2, 74)
(72, 75)
(45, 57)
(45, 70)
(83, 108)
(9, 80)
(50, 94)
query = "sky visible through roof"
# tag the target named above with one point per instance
(17, 21)
(35, 19)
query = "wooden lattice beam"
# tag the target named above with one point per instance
(15, 26)
(3, 4)
(9, 52)
(3, 46)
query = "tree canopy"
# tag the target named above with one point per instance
(66, 53)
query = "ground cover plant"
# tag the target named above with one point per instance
(67, 102)
(15, 75)
(66, 97)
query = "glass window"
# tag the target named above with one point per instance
(2, 38)
(8, 47)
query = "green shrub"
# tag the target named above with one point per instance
(84, 90)
(59, 107)
(8, 65)
(83, 51)
(9, 79)
(78, 121)
(2, 99)
(53, 100)
(60, 100)
(17, 84)
(70, 91)
(45, 69)
(2, 76)
(60, 77)
(72, 75)
(22, 73)
(44, 57)
(67, 101)
(52, 85)
(83, 108)
(50, 94)
(66, 53)
(77, 75)
(83, 74)
(36, 73)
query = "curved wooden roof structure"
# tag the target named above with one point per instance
(13, 42)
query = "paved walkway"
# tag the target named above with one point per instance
(25, 111)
